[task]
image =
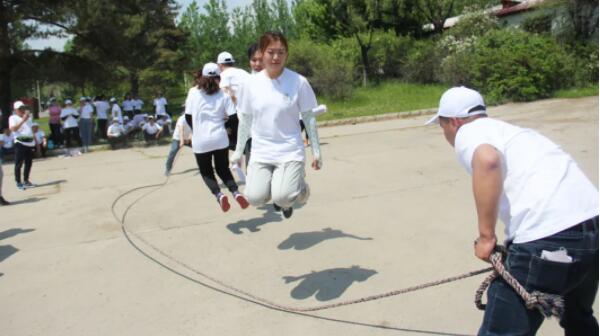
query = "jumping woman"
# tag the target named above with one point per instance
(206, 110)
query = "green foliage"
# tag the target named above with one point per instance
(328, 74)
(423, 62)
(584, 63)
(511, 64)
(586, 91)
(389, 54)
(538, 24)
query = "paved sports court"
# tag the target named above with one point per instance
(392, 208)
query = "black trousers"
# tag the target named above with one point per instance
(231, 125)
(101, 129)
(55, 135)
(221, 164)
(71, 134)
(23, 155)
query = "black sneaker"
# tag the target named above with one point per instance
(28, 184)
(276, 207)
(287, 212)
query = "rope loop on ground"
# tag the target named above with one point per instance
(547, 304)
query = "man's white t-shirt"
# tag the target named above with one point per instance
(151, 128)
(102, 108)
(159, 104)
(117, 113)
(127, 105)
(544, 191)
(24, 135)
(115, 130)
(275, 105)
(233, 78)
(70, 113)
(209, 113)
(86, 111)
(182, 125)
(138, 104)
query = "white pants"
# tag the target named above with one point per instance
(283, 182)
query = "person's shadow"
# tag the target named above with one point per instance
(51, 183)
(13, 232)
(254, 224)
(8, 250)
(327, 284)
(305, 240)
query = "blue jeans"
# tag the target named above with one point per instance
(577, 282)
(172, 152)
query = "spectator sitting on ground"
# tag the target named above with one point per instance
(164, 121)
(116, 134)
(152, 131)
(8, 148)
(41, 143)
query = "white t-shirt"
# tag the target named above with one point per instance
(70, 113)
(9, 140)
(102, 108)
(138, 119)
(544, 191)
(275, 105)
(86, 111)
(128, 105)
(208, 119)
(24, 133)
(182, 125)
(117, 113)
(115, 130)
(151, 128)
(160, 104)
(138, 104)
(233, 78)
(39, 136)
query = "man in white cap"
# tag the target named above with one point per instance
(20, 124)
(549, 209)
(232, 79)
(115, 110)
(152, 131)
(160, 104)
(116, 134)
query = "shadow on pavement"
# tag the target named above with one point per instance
(254, 224)
(13, 232)
(327, 284)
(27, 200)
(51, 183)
(6, 251)
(305, 240)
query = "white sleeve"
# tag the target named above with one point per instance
(306, 96)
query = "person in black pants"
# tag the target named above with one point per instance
(20, 124)
(206, 109)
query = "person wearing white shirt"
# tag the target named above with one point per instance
(8, 146)
(69, 116)
(115, 110)
(20, 124)
(138, 104)
(128, 106)
(3, 201)
(86, 110)
(268, 107)
(231, 80)
(164, 121)
(182, 136)
(116, 134)
(152, 131)
(102, 107)
(549, 209)
(160, 104)
(206, 108)
(41, 143)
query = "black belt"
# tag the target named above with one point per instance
(589, 225)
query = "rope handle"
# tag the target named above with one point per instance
(548, 304)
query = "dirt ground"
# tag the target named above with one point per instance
(392, 208)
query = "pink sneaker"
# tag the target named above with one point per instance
(224, 203)
(242, 201)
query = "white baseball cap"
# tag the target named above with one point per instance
(82, 98)
(459, 102)
(113, 100)
(68, 102)
(35, 124)
(210, 70)
(225, 58)
(19, 104)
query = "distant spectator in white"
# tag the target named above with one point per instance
(116, 134)
(138, 104)
(115, 110)
(102, 107)
(41, 143)
(152, 131)
(86, 111)
(69, 116)
(160, 104)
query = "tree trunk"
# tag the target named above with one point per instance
(364, 55)
(5, 68)
(134, 80)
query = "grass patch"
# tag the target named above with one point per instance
(389, 97)
(587, 91)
